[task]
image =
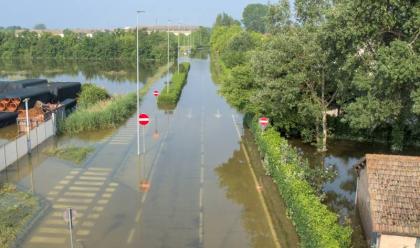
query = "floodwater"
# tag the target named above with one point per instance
(117, 77)
(191, 188)
(342, 155)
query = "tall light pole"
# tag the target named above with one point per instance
(179, 34)
(138, 79)
(167, 74)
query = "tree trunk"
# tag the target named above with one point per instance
(324, 131)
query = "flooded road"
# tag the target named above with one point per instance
(192, 187)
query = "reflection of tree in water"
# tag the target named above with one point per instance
(235, 177)
(113, 70)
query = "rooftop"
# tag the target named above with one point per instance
(394, 190)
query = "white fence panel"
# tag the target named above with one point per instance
(22, 146)
(3, 164)
(49, 130)
(34, 139)
(11, 153)
(41, 133)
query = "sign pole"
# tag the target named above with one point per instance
(144, 142)
(70, 216)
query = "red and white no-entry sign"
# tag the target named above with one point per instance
(143, 119)
(263, 121)
(156, 93)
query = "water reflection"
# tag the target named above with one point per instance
(115, 75)
(234, 177)
(340, 192)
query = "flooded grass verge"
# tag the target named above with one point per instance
(16, 210)
(71, 153)
(105, 114)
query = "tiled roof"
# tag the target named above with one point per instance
(394, 189)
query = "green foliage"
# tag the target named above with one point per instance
(40, 26)
(377, 40)
(278, 17)
(119, 44)
(170, 95)
(16, 209)
(91, 94)
(71, 153)
(102, 115)
(254, 17)
(316, 225)
(225, 20)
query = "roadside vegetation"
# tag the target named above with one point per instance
(315, 224)
(16, 210)
(333, 70)
(71, 153)
(170, 94)
(99, 112)
(90, 95)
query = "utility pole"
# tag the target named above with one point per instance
(179, 34)
(167, 74)
(138, 79)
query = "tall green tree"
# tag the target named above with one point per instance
(378, 40)
(278, 17)
(224, 19)
(254, 17)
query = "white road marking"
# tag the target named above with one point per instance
(91, 189)
(88, 183)
(260, 196)
(47, 240)
(75, 200)
(92, 178)
(130, 236)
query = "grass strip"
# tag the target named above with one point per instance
(71, 153)
(171, 94)
(16, 209)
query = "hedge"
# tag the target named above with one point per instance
(315, 224)
(170, 97)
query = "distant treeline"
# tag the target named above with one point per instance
(118, 44)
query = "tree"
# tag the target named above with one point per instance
(278, 17)
(311, 11)
(40, 26)
(254, 17)
(225, 20)
(378, 40)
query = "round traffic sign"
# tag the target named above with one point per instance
(156, 93)
(143, 119)
(66, 214)
(263, 121)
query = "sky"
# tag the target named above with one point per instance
(115, 13)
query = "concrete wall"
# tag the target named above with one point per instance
(392, 241)
(363, 202)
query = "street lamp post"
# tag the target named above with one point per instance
(28, 129)
(167, 74)
(179, 34)
(137, 83)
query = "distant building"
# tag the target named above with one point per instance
(388, 200)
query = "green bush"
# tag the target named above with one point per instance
(101, 115)
(170, 97)
(316, 225)
(16, 209)
(91, 94)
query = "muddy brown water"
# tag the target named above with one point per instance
(192, 187)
